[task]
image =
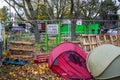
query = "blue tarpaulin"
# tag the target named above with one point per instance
(17, 28)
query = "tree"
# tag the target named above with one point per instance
(54, 9)
(4, 14)
(83, 9)
(86, 9)
(109, 12)
(108, 8)
(39, 9)
(59, 9)
(30, 9)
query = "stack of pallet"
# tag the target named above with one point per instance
(21, 49)
(108, 39)
(90, 41)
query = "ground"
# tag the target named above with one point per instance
(30, 71)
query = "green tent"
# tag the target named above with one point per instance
(104, 62)
(80, 29)
(93, 28)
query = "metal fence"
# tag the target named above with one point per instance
(104, 24)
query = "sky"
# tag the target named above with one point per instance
(3, 3)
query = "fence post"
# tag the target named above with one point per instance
(59, 32)
(46, 38)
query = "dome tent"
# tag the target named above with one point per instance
(103, 62)
(68, 60)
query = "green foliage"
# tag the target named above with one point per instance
(38, 45)
(4, 14)
(21, 36)
(8, 26)
(109, 10)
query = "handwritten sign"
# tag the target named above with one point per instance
(52, 29)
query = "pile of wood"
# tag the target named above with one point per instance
(90, 41)
(21, 49)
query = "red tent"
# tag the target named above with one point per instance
(68, 60)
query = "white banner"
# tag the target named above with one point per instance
(52, 29)
(39, 26)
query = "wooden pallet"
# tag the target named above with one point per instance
(89, 42)
(39, 58)
(21, 49)
(108, 39)
(114, 39)
(77, 42)
(118, 37)
(21, 57)
(118, 40)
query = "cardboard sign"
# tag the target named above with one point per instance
(52, 29)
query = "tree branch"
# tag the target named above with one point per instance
(31, 10)
(17, 3)
(26, 12)
(15, 10)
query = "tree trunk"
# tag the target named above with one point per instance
(73, 24)
(36, 32)
(72, 21)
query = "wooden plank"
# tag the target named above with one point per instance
(21, 42)
(118, 39)
(23, 57)
(20, 49)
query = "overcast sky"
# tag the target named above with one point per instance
(2, 3)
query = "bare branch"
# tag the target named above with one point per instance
(18, 3)
(26, 12)
(14, 9)
(31, 10)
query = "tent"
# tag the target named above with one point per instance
(103, 62)
(68, 60)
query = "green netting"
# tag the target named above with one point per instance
(80, 29)
(65, 29)
(93, 28)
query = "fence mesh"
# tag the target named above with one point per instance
(26, 30)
